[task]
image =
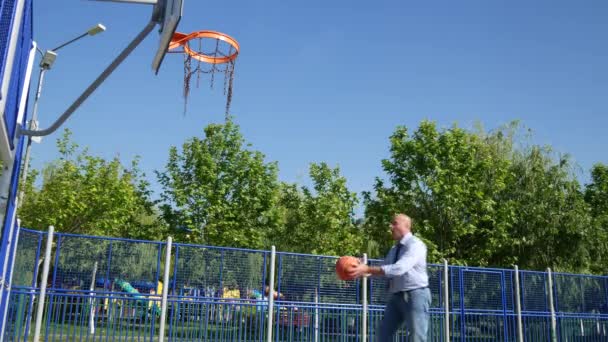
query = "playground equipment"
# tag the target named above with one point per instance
(144, 301)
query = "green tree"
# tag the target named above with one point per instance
(448, 182)
(84, 194)
(478, 199)
(596, 196)
(319, 220)
(549, 219)
(218, 192)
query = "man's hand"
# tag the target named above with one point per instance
(362, 270)
(359, 271)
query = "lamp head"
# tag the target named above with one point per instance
(48, 59)
(96, 29)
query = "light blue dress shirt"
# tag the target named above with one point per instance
(410, 271)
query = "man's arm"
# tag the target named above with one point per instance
(402, 266)
(414, 253)
(375, 270)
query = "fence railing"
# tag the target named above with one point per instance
(112, 289)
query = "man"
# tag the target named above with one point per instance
(409, 296)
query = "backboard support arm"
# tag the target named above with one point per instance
(96, 83)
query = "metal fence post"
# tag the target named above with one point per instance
(34, 285)
(92, 301)
(43, 282)
(8, 279)
(317, 290)
(163, 305)
(271, 295)
(317, 314)
(446, 301)
(551, 306)
(364, 302)
(520, 328)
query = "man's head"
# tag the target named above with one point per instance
(400, 226)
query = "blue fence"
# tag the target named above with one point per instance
(16, 56)
(111, 290)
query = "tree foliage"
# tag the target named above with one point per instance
(320, 219)
(85, 194)
(596, 196)
(477, 198)
(216, 191)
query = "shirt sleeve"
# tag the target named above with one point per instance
(407, 261)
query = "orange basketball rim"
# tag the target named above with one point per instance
(182, 39)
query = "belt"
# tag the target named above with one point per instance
(418, 288)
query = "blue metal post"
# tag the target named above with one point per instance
(111, 306)
(317, 298)
(446, 300)
(462, 313)
(109, 261)
(174, 286)
(9, 279)
(5, 259)
(523, 301)
(582, 292)
(504, 305)
(278, 309)
(175, 267)
(156, 280)
(260, 321)
(221, 287)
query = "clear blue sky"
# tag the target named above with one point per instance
(329, 81)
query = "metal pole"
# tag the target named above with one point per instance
(7, 255)
(364, 302)
(92, 301)
(317, 314)
(34, 285)
(163, 305)
(446, 301)
(26, 161)
(96, 83)
(70, 41)
(5, 274)
(551, 306)
(520, 327)
(45, 275)
(9, 278)
(271, 295)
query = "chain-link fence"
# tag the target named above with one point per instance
(114, 289)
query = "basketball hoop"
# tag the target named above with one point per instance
(216, 52)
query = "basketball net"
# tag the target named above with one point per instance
(207, 53)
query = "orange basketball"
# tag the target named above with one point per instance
(344, 265)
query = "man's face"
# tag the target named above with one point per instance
(397, 228)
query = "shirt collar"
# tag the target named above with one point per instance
(405, 238)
